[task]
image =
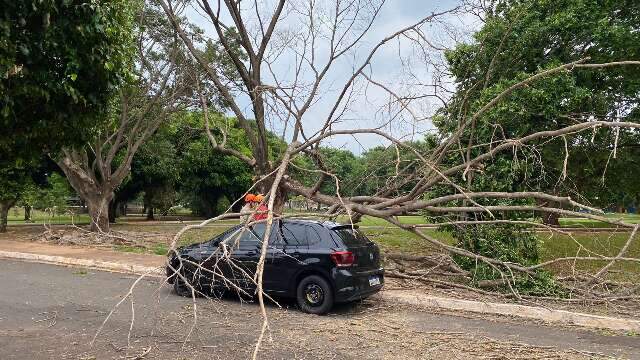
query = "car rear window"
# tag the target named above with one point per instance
(352, 237)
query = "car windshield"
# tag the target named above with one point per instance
(352, 237)
(226, 233)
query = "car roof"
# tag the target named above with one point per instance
(324, 223)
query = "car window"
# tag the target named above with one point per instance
(294, 234)
(244, 237)
(251, 237)
(225, 234)
(352, 237)
(313, 235)
(259, 229)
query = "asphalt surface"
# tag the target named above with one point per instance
(53, 312)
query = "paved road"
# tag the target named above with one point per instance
(52, 312)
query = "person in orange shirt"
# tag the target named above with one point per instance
(262, 208)
(249, 207)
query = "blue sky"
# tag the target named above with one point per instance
(367, 109)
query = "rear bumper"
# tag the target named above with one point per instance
(352, 286)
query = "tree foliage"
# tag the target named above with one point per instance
(522, 37)
(60, 62)
(209, 178)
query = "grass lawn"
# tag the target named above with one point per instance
(390, 239)
(588, 223)
(394, 240)
(601, 243)
(16, 217)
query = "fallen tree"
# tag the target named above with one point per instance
(437, 180)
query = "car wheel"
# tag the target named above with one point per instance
(181, 288)
(314, 295)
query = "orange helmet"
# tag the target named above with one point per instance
(258, 198)
(249, 198)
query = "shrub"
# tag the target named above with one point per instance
(508, 243)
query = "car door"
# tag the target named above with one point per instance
(276, 264)
(245, 253)
(295, 252)
(215, 265)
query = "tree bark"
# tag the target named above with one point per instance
(551, 219)
(27, 213)
(99, 213)
(5, 205)
(150, 215)
(113, 211)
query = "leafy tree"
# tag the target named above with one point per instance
(380, 166)
(521, 37)
(156, 171)
(518, 39)
(161, 88)
(60, 62)
(52, 89)
(13, 183)
(342, 164)
(209, 179)
(51, 196)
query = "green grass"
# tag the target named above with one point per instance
(16, 217)
(160, 247)
(602, 243)
(558, 246)
(588, 223)
(394, 240)
(130, 249)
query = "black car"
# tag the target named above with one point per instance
(317, 263)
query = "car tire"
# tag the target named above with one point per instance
(314, 295)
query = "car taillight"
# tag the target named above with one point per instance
(343, 258)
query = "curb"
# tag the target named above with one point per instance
(522, 311)
(420, 300)
(89, 263)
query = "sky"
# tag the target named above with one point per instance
(397, 65)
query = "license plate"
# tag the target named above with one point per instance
(374, 280)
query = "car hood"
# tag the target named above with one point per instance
(184, 250)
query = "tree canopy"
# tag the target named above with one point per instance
(60, 62)
(520, 38)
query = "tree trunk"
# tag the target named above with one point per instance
(150, 215)
(280, 202)
(5, 205)
(99, 212)
(551, 219)
(113, 211)
(27, 213)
